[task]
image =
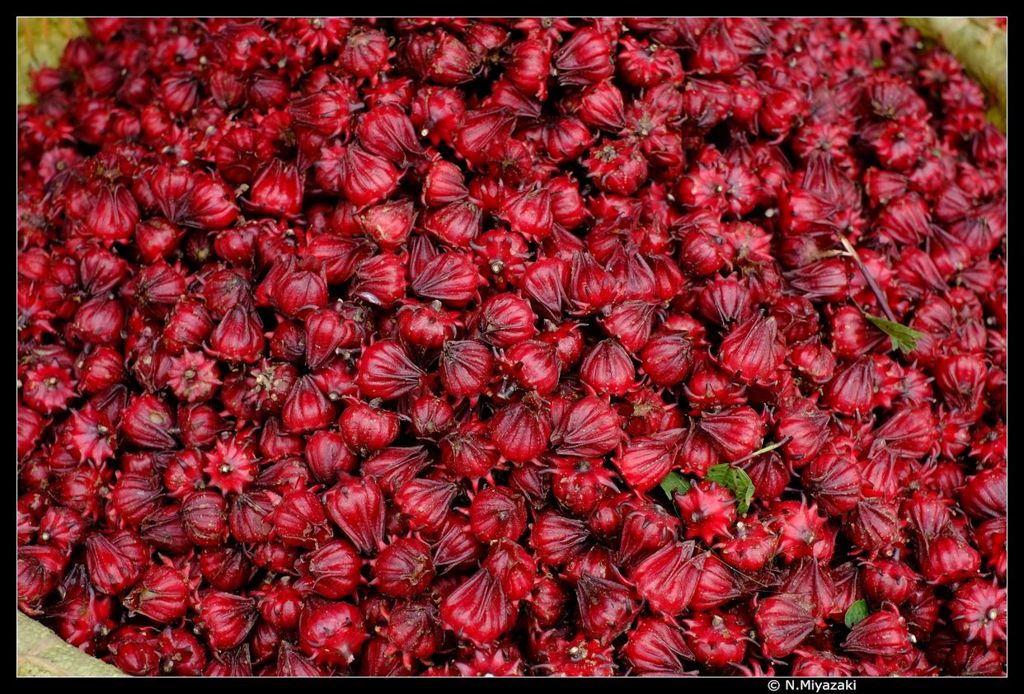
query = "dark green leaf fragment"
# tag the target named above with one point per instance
(735, 480)
(902, 337)
(856, 613)
(673, 484)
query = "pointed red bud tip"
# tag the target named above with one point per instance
(250, 516)
(608, 368)
(529, 213)
(834, 482)
(883, 633)
(332, 633)
(466, 367)
(708, 511)
(803, 429)
(515, 569)
(204, 517)
(39, 572)
(717, 639)
(447, 60)
(325, 330)
(544, 283)
(386, 372)
(367, 428)
(657, 647)
(478, 610)
(567, 205)
(356, 505)
(365, 52)
(388, 132)
(497, 513)
(753, 350)
(558, 539)
(226, 619)
(277, 189)
(751, 546)
(468, 451)
(328, 112)
(480, 130)
(643, 65)
(814, 361)
(521, 430)
(116, 561)
(505, 320)
(646, 528)
(617, 166)
(335, 569)
(364, 178)
(431, 417)
(437, 113)
(948, 560)
(403, 568)
(631, 322)
(99, 321)
(134, 655)
(389, 223)
(414, 629)
(590, 429)
(427, 326)
(529, 67)
(586, 58)
(113, 216)
(299, 292)
(162, 595)
(784, 622)
(426, 503)
(567, 138)
(736, 432)
(306, 408)
(300, 521)
(888, 580)
(396, 466)
(239, 336)
(380, 280)
(607, 608)
(148, 422)
(644, 462)
(338, 256)
(451, 278)
(590, 286)
(667, 578)
(985, 494)
(667, 359)
(444, 184)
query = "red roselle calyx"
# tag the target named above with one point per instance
(531, 346)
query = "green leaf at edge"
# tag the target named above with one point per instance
(856, 612)
(735, 480)
(673, 483)
(902, 337)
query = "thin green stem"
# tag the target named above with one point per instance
(766, 449)
(868, 277)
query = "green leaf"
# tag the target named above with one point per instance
(673, 484)
(857, 612)
(903, 338)
(735, 480)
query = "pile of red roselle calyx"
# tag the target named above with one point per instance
(513, 347)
